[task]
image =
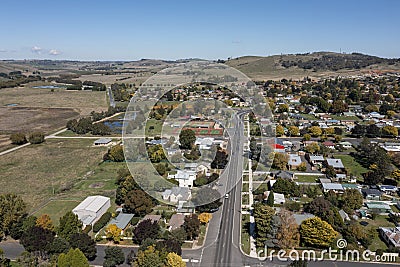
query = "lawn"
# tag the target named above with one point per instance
(245, 199)
(349, 118)
(245, 187)
(307, 178)
(379, 221)
(202, 235)
(153, 127)
(56, 209)
(352, 165)
(68, 169)
(245, 236)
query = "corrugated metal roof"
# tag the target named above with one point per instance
(92, 203)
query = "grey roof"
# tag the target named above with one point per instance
(283, 174)
(299, 218)
(176, 191)
(103, 141)
(378, 205)
(368, 192)
(316, 158)
(153, 218)
(332, 186)
(122, 220)
(325, 180)
(335, 163)
(92, 203)
(176, 221)
(294, 160)
(344, 215)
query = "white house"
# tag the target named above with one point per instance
(279, 199)
(91, 209)
(176, 194)
(184, 177)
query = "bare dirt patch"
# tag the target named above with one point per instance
(27, 119)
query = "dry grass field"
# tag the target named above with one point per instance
(40, 172)
(28, 119)
(81, 101)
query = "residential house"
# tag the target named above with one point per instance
(91, 209)
(152, 218)
(176, 194)
(176, 221)
(294, 161)
(279, 199)
(329, 144)
(345, 144)
(337, 188)
(371, 194)
(122, 220)
(336, 164)
(315, 161)
(391, 236)
(378, 207)
(299, 218)
(388, 189)
(184, 177)
(345, 217)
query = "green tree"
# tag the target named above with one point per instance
(307, 137)
(279, 130)
(315, 131)
(36, 138)
(37, 239)
(390, 131)
(174, 260)
(351, 200)
(12, 211)
(114, 256)
(74, 258)
(18, 138)
(115, 153)
(312, 148)
(192, 226)
(283, 108)
(148, 258)
(144, 230)
(138, 202)
(270, 199)
(263, 220)
(286, 187)
(293, 130)
(85, 244)
(69, 225)
(280, 161)
(187, 137)
(317, 233)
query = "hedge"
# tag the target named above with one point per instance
(102, 222)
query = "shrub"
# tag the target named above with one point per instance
(102, 222)
(18, 138)
(36, 138)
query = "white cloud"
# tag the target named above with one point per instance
(36, 49)
(54, 52)
(3, 51)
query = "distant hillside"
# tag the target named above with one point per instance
(316, 64)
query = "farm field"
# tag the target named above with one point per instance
(82, 102)
(57, 169)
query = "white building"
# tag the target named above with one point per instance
(91, 209)
(185, 178)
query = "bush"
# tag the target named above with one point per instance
(18, 138)
(87, 229)
(102, 222)
(36, 138)
(135, 220)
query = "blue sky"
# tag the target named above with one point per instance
(130, 30)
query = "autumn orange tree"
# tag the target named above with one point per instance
(113, 233)
(288, 232)
(205, 217)
(45, 222)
